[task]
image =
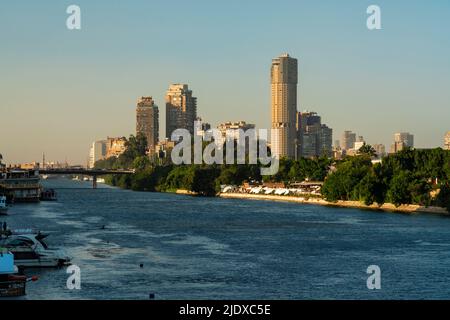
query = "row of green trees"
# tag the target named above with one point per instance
(202, 179)
(407, 177)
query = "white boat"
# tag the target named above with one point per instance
(3, 205)
(30, 250)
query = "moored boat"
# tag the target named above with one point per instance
(30, 250)
(3, 205)
(48, 195)
(12, 284)
(22, 185)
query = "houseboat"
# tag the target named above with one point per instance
(21, 185)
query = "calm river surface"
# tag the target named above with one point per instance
(201, 248)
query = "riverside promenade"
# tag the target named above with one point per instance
(389, 207)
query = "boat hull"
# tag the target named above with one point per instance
(41, 263)
(9, 289)
(46, 259)
(26, 199)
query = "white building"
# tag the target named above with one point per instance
(233, 129)
(97, 152)
(447, 141)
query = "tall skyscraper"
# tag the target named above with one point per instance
(147, 122)
(348, 140)
(181, 109)
(284, 79)
(447, 141)
(402, 140)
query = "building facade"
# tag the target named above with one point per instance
(202, 127)
(348, 140)
(181, 109)
(314, 139)
(97, 152)
(447, 141)
(233, 129)
(402, 140)
(284, 79)
(115, 146)
(380, 149)
(359, 143)
(147, 122)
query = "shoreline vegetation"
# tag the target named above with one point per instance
(412, 180)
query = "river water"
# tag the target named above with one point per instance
(206, 248)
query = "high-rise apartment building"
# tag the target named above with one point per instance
(284, 79)
(314, 138)
(402, 140)
(97, 152)
(447, 141)
(181, 109)
(147, 122)
(348, 140)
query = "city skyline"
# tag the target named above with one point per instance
(357, 79)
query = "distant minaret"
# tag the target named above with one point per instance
(43, 161)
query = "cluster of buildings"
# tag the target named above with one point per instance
(350, 144)
(181, 113)
(104, 149)
(402, 140)
(294, 134)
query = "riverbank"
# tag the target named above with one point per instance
(388, 207)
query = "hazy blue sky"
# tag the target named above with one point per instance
(61, 89)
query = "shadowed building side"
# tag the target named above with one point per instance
(147, 122)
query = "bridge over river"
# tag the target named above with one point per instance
(94, 173)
